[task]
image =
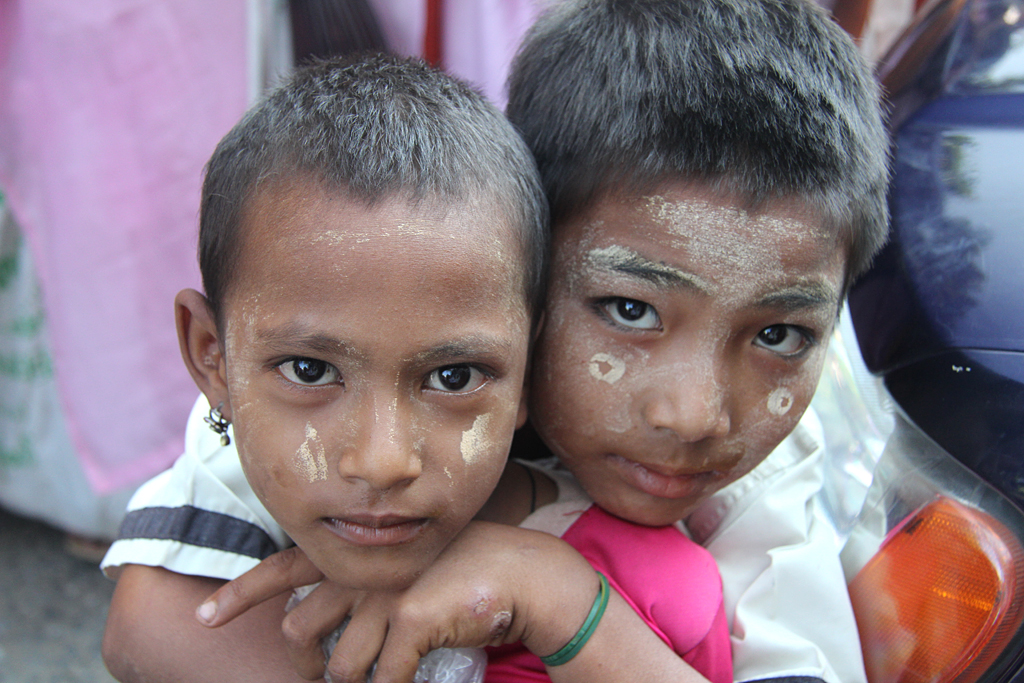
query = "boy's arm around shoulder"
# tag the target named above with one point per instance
(623, 648)
(494, 584)
(539, 590)
(152, 633)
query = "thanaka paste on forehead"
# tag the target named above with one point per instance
(566, 262)
(679, 214)
(421, 228)
(417, 227)
(730, 247)
(494, 245)
(251, 309)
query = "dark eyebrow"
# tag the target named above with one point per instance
(628, 262)
(293, 337)
(472, 346)
(800, 297)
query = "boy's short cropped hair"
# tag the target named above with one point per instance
(374, 127)
(764, 98)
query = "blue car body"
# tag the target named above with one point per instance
(940, 317)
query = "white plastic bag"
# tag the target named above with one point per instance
(444, 665)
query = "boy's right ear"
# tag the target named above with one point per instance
(201, 348)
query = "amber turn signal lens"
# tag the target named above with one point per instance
(938, 601)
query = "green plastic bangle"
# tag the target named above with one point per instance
(573, 647)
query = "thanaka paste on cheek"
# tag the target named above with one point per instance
(605, 367)
(240, 336)
(310, 459)
(230, 349)
(572, 268)
(393, 426)
(474, 440)
(619, 421)
(780, 401)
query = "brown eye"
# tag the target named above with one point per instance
(632, 313)
(785, 340)
(456, 379)
(309, 371)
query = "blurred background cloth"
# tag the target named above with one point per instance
(109, 110)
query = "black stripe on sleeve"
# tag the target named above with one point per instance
(788, 679)
(199, 527)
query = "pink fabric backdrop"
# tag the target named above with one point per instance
(108, 111)
(479, 36)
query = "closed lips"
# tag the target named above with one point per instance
(385, 530)
(656, 482)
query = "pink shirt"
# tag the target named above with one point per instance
(670, 581)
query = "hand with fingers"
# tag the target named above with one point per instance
(493, 585)
(304, 626)
(484, 589)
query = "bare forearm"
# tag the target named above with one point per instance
(621, 649)
(152, 634)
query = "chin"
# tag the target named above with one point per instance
(375, 579)
(646, 514)
(656, 519)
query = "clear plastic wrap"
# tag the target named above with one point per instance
(444, 665)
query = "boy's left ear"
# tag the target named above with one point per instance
(201, 348)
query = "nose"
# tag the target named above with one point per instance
(692, 405)
(383, 454)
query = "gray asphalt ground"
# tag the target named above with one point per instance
(52, 608)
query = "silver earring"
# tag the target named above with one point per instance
(219, 424)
